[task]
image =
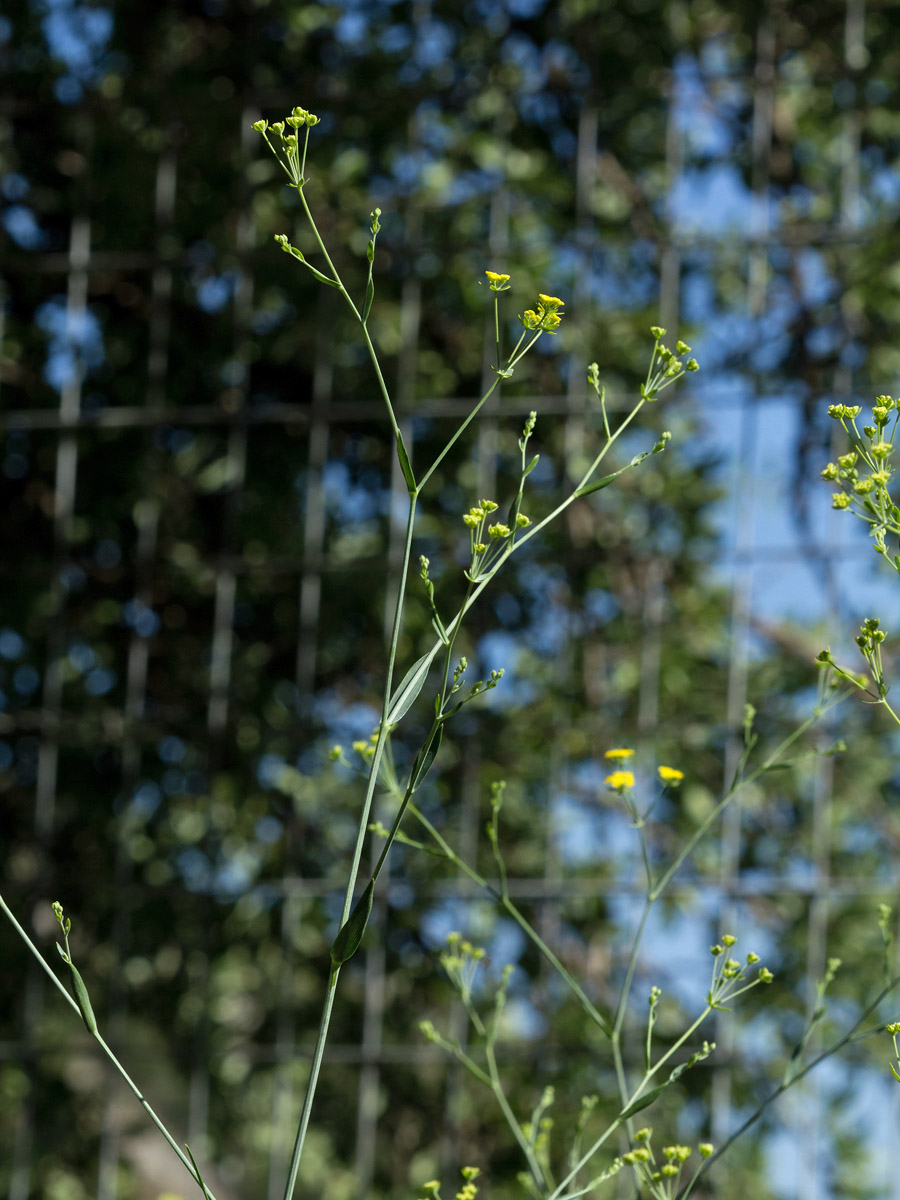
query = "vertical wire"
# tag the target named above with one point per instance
(146, 518)
(375, 962)
(308, 618)
(222, 642)
(51, 697)
(813, 1174)
(743, 522)
(63, 511)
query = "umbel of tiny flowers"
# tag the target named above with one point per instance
(621, 778)
(661, 1179)
(869, 640)
(728, 974)
(487, 538)
(469, 1190)
(497, 282)
(461, 961)
(286, 146)
(546, 318)
(864, 473)
(670, 776)
(666, 366)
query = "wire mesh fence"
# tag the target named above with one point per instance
(198, 500)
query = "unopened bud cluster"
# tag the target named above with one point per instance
(286, 146)
(661, 1177)
(486, 535)
(728, 973)
(666, 365)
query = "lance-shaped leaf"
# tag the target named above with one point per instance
(635, 462)
(425, 759)
(643, 1102)
(410, 686)
(370, 296)
(646, 1100)
(350, 934)
(81, 994)
(405, 465)
(197, 1172)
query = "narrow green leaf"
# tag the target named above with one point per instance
(197, 1172)
(534, 462)
(599, 483)
(425, 759)
(410, 686)
(370, 296)
(405, 465)
(349, 936)
(321, 278)
(643, 1102)
(83, 999)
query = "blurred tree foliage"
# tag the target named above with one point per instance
(197, 531)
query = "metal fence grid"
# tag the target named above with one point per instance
(84, 439)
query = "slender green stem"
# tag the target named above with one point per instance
(404, 803)
(850, 1036)
(101, 1043)
(459, 432)
(741, 781)
(45, 966)
(500, 1095)
(632, 964)
(449, 655)
(312, 1082)
(585, 1158)
(373, 354)
(572, 983)
(560, 508)
(530, 932)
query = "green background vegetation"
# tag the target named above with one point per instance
(201, 604)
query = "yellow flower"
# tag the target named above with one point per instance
(550, 301)
(670, 774)
(619, 753)
(620, 779)
(496, 277)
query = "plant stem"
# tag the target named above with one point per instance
(850, 1036)
(334, 971)
(102, 1044)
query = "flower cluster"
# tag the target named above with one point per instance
(286, 146)
(869, 641)
(666, 366)
(486, 535)
(622, 778)
(546, 318)
(461, 961)
(728, 973)
(497, 282)
(864, 473)
(661, 1178)
(468, 1191)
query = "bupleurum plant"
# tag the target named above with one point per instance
(594, 1149)
(863, 476)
